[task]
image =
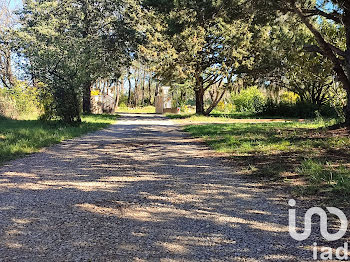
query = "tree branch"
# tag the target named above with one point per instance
(335, 16)
(325, 47)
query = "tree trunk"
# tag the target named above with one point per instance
(118, 92)
(87, 98)
(156, 91)
(215, 102)
(129, 92)
(9, 73)
(149, 91)
(136, 94)
(136, 89)
(200, 101)
(199, 91)
(347, 110)
(143, 88)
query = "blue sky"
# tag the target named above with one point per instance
(15, 4)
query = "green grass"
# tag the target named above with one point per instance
(21, 137)
(237, 115)
(246, 138)
(138, 110)
(326, 176)
(306, 152)
(218, 117)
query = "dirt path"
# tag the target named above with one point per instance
(138, 191)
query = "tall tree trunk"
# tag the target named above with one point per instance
(143, 88)
(118, 92)
(156, 91)
(136, 90)
(9, 73)
(199, 91)
(347, 110)
(129, 92)
(6, 75)
(149, 90)
(136, 94)
(87, 98)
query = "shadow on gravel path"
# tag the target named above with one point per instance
(139, 191)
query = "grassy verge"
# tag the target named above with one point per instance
(311, 158)
(222, 118)
(21, 137)
(137, 110)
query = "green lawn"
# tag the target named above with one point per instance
(21, 137)
(305, 154)
(221, 118)
(217, 115)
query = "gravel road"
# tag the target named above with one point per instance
(141, 190)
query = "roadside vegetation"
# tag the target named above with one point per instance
(308, 156)
(21, 137)
(282, 63)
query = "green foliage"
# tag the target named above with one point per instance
(249, 100)
(224, 107)
(123, 100)
(60, 104)
(289, 97)
(20, 137)
(19, 101)
(326, 176)
(191, 44)
(299, 109)
(70, 48)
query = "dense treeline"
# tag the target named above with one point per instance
(286, 56)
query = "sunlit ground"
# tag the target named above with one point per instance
(141, 191)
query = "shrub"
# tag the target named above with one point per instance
(221, 106)
(19, 101)
(249, 100)
(298, 109)
(289, 97)
(60, 103)
(122, 105)
(224, 107)
(7, 109)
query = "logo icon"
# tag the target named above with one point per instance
(323, 223)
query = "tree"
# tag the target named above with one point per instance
(71, 44)
(310, 13)
(307, 74)
(7, 22)
(191, 41)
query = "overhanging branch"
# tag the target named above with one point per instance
(335, 16)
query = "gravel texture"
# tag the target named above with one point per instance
(141, 190)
